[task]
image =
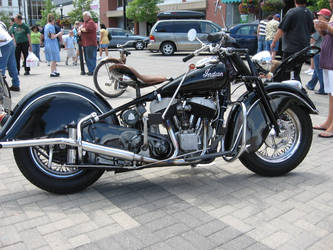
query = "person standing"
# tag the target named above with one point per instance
(51, 45)
(89, 41)
(104, 42)
(271, 28)
(35, 41)
(70, 48)
(76, 39)
(323, 15)
(261, 34)
(326, 63)
(21, 34)
(7, 57)
(295, 29)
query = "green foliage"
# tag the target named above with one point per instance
(4, 17)
(48, 8)
(272, 6)
(316, 5)
(80, 6)
(143, 10)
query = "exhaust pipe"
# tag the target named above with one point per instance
(87, 146)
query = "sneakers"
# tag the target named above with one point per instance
(90, 73)
(26, 73)
(54, 74)
(99, 58)
(14, 88)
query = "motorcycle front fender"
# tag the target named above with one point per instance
(48, 110)
(281, 97)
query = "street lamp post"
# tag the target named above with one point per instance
(60, 11)
(124, 14)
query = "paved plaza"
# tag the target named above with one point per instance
(217, 206)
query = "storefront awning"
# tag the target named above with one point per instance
(231, 1)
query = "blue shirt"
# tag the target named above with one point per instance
(69, 42)
(48, 30)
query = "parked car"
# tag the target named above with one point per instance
(169, 36)
(120, 36)
(246, 36)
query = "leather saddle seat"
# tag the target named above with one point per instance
(143, 80)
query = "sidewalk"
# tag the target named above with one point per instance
(219, 206)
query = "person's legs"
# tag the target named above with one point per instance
(18, 51)
(106, 51)
(319, 73)
(11, 65)
(328, 124)
(313, 82)
(25, 50)
(91, 58)
(35, 49)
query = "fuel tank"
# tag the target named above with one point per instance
(198, 82)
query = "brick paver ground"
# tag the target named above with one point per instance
(219, 206)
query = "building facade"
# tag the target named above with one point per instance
(10, 7)
(223, 12)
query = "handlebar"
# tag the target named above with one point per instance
(188, 57)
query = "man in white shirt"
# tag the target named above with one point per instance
(7, 57)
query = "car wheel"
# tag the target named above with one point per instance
(168, 48)
(139, 45)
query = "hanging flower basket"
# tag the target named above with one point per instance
(243, 9)
(249, 7)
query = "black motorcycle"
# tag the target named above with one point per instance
(66, 135)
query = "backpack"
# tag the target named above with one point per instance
(109, 35)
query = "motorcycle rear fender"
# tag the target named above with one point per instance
(48, 110)
(281, 96)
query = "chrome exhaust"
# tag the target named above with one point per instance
(87, 146)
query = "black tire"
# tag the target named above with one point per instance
(105, 81)
(139, 45)
(168, 48)
(296, 128)
(32, 162)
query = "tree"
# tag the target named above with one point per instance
(316, 5)
(48, 8)
(143, 10)
(4, 17)
(80, 6)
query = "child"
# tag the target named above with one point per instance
(70, 47)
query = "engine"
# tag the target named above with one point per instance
(188, 117)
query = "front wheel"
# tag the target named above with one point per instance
(139, 45)
(106, 82)
(52, 175)
(280, 154)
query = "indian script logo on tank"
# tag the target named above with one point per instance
(214, 74)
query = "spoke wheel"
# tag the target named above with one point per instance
(280, 154)
(106, 81)
(44, 167)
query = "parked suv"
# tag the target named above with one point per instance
(169, 36)
(120, 36)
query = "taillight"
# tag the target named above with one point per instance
(3, 118)
(2, 115)
(152, 38)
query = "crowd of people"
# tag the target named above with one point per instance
(297, 29)
(18, 40)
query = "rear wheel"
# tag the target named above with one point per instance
(106, 82)
(168, 48)
(280, 154)
(52, 175)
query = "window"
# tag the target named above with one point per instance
(209, 28)
(184, 27)
(245, 31)
(120, 3)
(10, 2)
(164, 27)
